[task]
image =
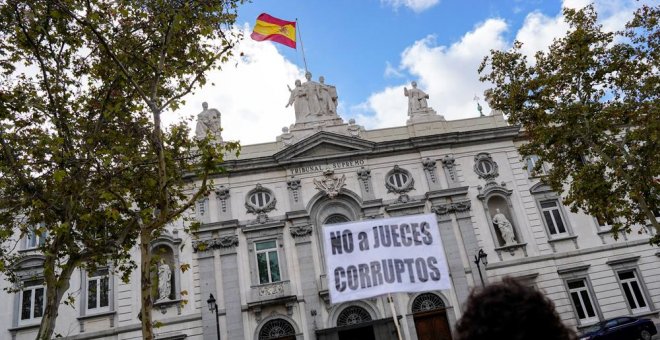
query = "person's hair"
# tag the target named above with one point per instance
(512, 311)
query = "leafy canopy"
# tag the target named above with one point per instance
(590, 107)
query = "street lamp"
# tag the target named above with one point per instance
(481, 257)
(214, 307)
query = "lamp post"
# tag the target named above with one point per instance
(214, 307)
(480, 258)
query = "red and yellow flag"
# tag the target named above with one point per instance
(277, 30)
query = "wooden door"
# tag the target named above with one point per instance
(432, 325)
(362, 333)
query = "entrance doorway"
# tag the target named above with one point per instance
(430, 318)
(362, 333)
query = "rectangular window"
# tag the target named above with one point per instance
(32, 303)
(98, 293)
(582, 301)
(553, 218)
(632, 290)
(605, 223)
(531, 164)
(36, 237)
(268, 261)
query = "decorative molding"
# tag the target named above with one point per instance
(301, 231)
(330, 184)
(511, 248)
(272, 289)
(429, 167)
(572, 268)
(405, 187)
(222, 192)
(293, 185)
(459, 206)
(485, 166)
(462, 206)
(448, 162)
(622, 259)
(252, 208)
(364, 175)
(216, 243)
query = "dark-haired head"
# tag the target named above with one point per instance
(510, 310)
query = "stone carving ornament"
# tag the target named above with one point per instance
(272, 289)
(485, 167)
(228, 241)
(399, 180)
(301, 231)
(260, 200)
(330, 184)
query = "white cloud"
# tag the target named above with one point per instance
(449, 73)
(391, 71)
(249, 91)
(415, 5)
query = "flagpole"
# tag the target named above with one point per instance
(301, 44)
(394, 316)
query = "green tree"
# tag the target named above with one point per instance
(84, 161)
(589, 106)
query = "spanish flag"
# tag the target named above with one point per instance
(278, 30)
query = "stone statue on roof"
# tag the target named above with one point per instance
(208, 122)
(313, 101)
(416, 99)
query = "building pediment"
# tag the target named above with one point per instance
(324, 144)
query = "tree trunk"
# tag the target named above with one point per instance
(55, 289)
(145, 288)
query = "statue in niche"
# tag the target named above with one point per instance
(505, 227)
(416, 99)
(164, 281)
(208, 121)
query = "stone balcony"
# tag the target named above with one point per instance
(270, 294)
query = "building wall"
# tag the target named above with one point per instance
(222, 253)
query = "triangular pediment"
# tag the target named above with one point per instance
(322, 145)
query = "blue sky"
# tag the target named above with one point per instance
(371, 49)
(351, 42)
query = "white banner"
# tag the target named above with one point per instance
(376, 257)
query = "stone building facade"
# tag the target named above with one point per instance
(258, 250)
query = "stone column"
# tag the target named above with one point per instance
(207, 285)
(462, 210)
(231, 288)
(452, 251)
(229, 299)
(301, 230)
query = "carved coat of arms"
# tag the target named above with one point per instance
(330, 184)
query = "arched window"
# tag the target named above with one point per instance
(276, 329)
(426, 302)
(336, 218)
(353, 315)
